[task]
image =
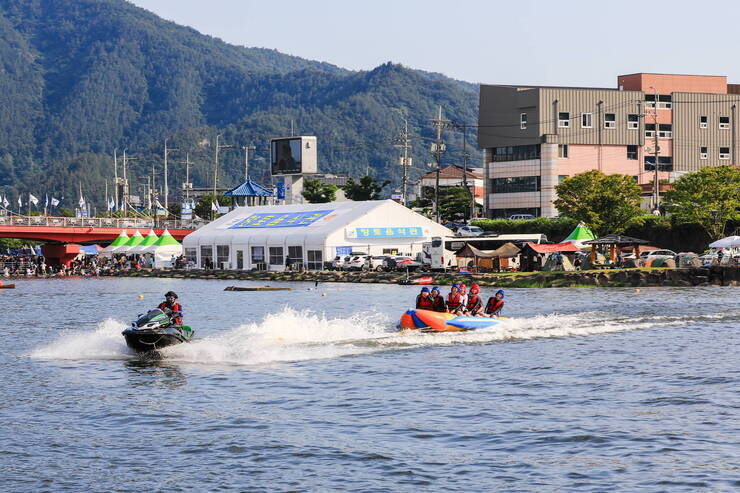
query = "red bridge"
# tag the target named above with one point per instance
(83, 229)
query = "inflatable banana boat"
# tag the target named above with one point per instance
(429, 321)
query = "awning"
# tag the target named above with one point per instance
(618, 240)
(556, 247)
(506, 250)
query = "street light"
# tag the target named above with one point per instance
(215, 169)
(656, 151)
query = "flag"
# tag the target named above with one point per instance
(20, 202)
(214, 206)
(111, 204)
(5, 202)
(82, 202)
(54, 202)
(33, 199)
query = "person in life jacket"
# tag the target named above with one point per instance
(439, 302)
(495, 304)
(424, 301)
(172, 307)
(463, 294)
(454, 299)
(474, 305)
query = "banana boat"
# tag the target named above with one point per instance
(430, 321)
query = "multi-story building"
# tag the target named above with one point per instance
(534, 137)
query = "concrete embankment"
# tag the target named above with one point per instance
(716, 275)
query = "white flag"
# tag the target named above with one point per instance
(54, 202)
(46, 203)
(82, 202)
(111, 204)
(33, 199)
(5, 202)
(214, 207)
(20, 202)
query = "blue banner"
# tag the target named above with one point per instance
(344, 250)
(280, 219)
(403, 232)
(280, 190)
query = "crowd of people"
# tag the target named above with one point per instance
(460, 302)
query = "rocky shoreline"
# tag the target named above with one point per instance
(695, 276)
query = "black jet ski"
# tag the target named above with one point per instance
(154, 331)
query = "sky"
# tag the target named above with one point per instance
(546, 42)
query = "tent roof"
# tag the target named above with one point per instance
(135, 239)
(556, 247)
(505, 250)
(249, 189)
(616, 240)
(581, 232)
(166, 239)
(120, 240)
(90, 249)
(727, 242)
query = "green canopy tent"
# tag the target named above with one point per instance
(151, 239)
(579, 235)
(164, 249)
(135, 239)
(120, 240)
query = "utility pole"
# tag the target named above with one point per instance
(403, 143)
(187, 185)
(438, 148)
(247, 148)
(125, 198)
(215, 168)
(656, 151)
(166, 189)
(470, 192)
(115, 177)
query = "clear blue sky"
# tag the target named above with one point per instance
(550, 42)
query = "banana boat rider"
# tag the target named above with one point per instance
(172, 307)
(454, 299)
(424, 301)
(474, 305)
(439, 302)
(494, 305)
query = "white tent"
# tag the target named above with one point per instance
(135, 239)
(728, 242)
(151, 239)
(164, 249)
(121, 240)
(265, 237)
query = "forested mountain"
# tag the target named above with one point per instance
(80, 78)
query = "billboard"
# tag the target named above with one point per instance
(281, 219)
(293, 155)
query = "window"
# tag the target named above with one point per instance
(665, 131)
(561, 178)
(703, 152)
(633, 122)
(516, 153)
(391, 251)
(222, 256)
(724, 122)
(703, 122)
(563, 150)
(632, 152)
(523, 121)
(258, 258)
(314, 260)
(650, 130)
(295, 254)
(610, 120)
(664, 101)
(276, 255)
(665, 163)
(586, 120)
(240, 259)
(516, 184)
(564, 120)
(724, 153)
(206, 256)
(190, 253)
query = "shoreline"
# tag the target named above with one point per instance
(694, 276)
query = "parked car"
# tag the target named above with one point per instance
(374, 262)
(453, 226)
(516, 217)
(469, 231)
(339, 261)
(657, 253)
(356, 262)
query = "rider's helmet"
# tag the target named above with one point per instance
(170, 294)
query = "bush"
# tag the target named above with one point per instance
(556, 230)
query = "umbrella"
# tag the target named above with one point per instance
(729, 242)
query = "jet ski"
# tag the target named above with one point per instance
(430, 321)
(155, 330)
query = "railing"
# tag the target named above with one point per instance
(95, 222)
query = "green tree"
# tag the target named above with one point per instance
(203, 206)
(316, 192)
(605, 203)
(366, 189)
(454, 203)
(709, 197)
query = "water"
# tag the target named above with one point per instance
(584, 390)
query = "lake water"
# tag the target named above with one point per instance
(583, 390)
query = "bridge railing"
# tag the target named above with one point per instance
(95, 222)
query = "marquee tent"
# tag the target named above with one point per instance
(151, 239)
(164, 249)
(135, 239)
(116, 244)
(579, 235)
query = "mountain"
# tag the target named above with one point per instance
(81, 78)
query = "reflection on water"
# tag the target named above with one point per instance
(147, 371)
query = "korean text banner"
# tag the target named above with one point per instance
(280, 219)
(395, 232)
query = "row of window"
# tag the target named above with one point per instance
(665, 163)
(274, 257)
(724, 122)
(515, 184)
(516, 153)
(724, 153)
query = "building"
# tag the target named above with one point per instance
(452, 176)
(270, 237)
(534, 137)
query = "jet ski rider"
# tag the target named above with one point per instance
(171, 307)
(424, 301)
(495, 304)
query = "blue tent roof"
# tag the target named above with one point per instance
(249, 189)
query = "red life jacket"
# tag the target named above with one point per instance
(454, 302)
(494, 306)
(424, 303)
(176, 314)
(474, 304)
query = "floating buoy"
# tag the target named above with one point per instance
(323, 294)
(637, 290)
(141, 296)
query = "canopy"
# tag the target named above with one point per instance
(135, 239)
(506, 250)
(249, 189)
(151, 239)
(164, 249)
(618, 240)
(579, 235)
(728, 242)
(90, 249)
(557, 247)
(117, 243)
